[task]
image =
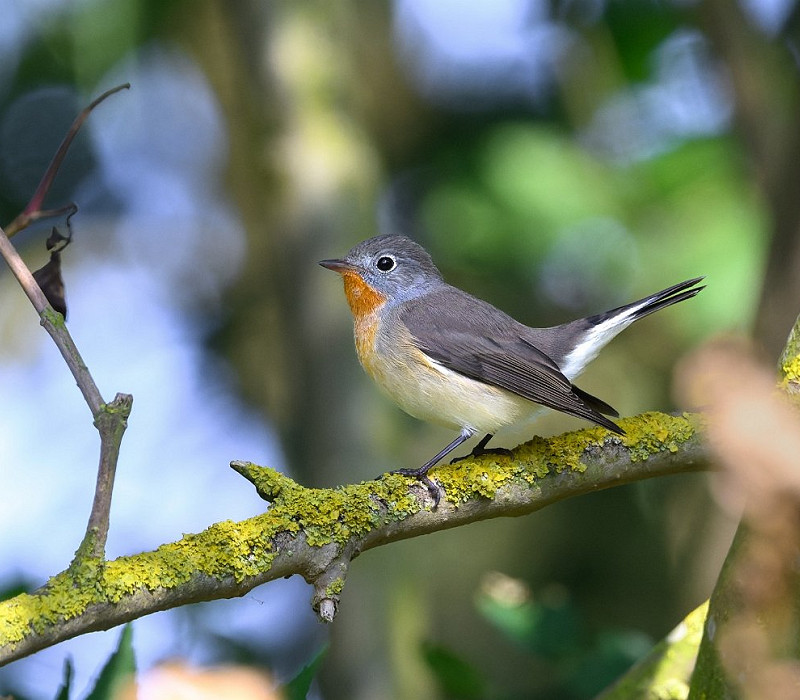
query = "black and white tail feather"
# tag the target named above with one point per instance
(589, 335)
(574, 345)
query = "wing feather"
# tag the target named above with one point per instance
(485, 344)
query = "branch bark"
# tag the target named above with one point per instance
(317, 532)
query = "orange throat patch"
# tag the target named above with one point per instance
(363, 299)
(365, 303)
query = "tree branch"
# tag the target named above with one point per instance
(317, 532)
(111, 423)
(110, 419)
(789, 363)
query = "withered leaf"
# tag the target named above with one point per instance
(49, 276)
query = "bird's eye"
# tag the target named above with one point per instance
(385, 263)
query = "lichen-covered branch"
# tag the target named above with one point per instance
(789, 363)
(317, 532)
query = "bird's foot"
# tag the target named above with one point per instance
(422, 475)
(485, 451)
(481, 449)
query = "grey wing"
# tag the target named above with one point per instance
(469, 336)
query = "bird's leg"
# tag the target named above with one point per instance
(481, 449)
(422, 472)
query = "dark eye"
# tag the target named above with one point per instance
(385, 263)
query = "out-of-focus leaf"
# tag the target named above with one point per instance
(637, 29)
(66, 685)
(612, 654)
(700, 205)
(531, 183)
(457, 678)
(549, 627)
(298, 687)
(15, 588)
(119, 669)
(541, 175)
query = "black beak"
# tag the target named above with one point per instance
(336, 265)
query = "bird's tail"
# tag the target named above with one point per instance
(654, 302)
(589, 335)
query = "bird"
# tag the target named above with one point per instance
(449, 358)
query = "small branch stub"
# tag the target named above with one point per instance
(269, 483)
(328, 586)
(111, 422)
(327, 609)
(113, 417)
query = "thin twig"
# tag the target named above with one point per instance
(33, 210)
(111, 424)
(24, 220)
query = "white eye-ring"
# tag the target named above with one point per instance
(386, 263)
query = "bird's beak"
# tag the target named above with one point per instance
(337, 265)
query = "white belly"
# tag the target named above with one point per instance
(466, 403)
(427, 390)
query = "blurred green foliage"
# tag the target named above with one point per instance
(298, 688)
(119, 670)
(458, 679)
(540, 204)
(65, 688)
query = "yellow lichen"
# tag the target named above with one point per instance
(790, 368)
(53, 317)
(650, 433)
(483, 475)
(334, 588)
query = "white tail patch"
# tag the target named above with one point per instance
(596, 339)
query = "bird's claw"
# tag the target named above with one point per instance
(434, 489)
(505, 452)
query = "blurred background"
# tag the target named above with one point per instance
(558, 158)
